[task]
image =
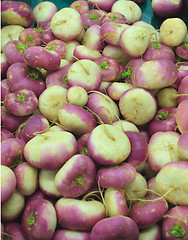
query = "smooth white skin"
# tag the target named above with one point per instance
(115, 208)
(77, 95)
(173, 31)
(124, 125)
(83, 52)
(167, 97)
(80, 37)
(162, 148)
(47, 183)
(137, 189)
(44, 11)
(26, 179)
(185, 40)
(109, 142)
(86, 71)
(129, 9)
(70, 46)
(51, 100)
(138, 106)
(9, 33)
(117, 53)
(135, 40)
(150, 233)
(56, 128)
(63, 63)
(66, 24)
(13, 207)
(173, 178)
(116, 89)
(92, 38)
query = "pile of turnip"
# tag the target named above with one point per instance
(94, 122)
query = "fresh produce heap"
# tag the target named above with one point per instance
(94, 122)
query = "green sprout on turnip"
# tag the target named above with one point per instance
(156, 45)
(185, 45)
(163, 116)
(127, 74)
(40, 30)
(178, 231)
(31, 220)
(79, 180)
(104, 65)
(52, 47)
(21, 98)
(33, 75)
(114, 17)
(85, 28)
(22, 47)
(31, 38)
(93, 16)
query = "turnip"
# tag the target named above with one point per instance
(69, 234)
(21, 103)
(174, 224)
(138, 106)
(117, 176)
(11, 150)
(103, 106)
(20, 76)
(158, 50)
(4, 65)
(9, 33)
(82, 144)
(182, 115)
(111, 32)
(117, 53)
(8, 183)
(182, 145)
(109, 68)
(41, 57)
(103, 87)
(5, 134)
(80, 6)
(35, 124)
(76, 119)
(182, 51)
(129, 9)
(137, 189)
(79, 215)
(139, 148)
(58, 77)
(85, 73)
(47, 183)
(51, 100)
(70, 46)
(13, 230)
(66, 24)
(83, 52)
(173, 31)
(108, 145)
(44, 11)
(10, 121)
(92, 38)
(31, 37)
(57, 46)
(13, 208)
(170, 182)
(162, 149)
(77, 95)
(76, 176)
(151, 233)
(50, 150)
(117, 227)
(148, 211)
(15, 12)
(167, 97)
(155, 74)
(125, 125)
(36, 223)
(182, 72)
(116, 89)
(134, 40)
(164, 120)
(26, 178)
